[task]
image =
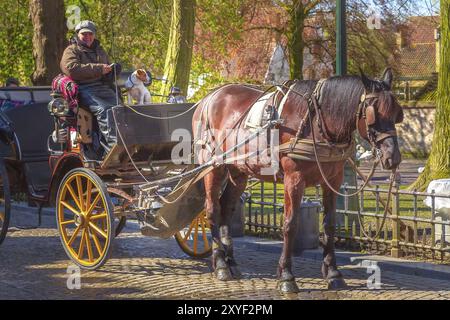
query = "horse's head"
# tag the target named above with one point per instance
(378, 113)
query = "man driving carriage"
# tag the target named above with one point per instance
(88, 64)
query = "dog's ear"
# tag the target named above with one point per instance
(140, 73)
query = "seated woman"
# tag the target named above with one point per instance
(87, 63)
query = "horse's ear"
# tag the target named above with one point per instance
(388, 77)
(366, 81)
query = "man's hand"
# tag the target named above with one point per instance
(106, 69)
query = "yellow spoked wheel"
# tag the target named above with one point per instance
(5, 202)
(195, 240)
(85, 218)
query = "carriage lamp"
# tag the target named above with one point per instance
(58, 107)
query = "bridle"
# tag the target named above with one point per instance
(367, 110)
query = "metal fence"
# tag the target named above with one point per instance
(411, 228)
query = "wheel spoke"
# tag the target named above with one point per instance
(89, 245)
(96, 242)
(205, 218)
(94, 203)
(196, 236)
(98, 216)
(186, 235)
(80, 191)
(67, 222)
(81, 249)
(74, 197)
(205, 238)
(68, 206)
(96, 229)
(74, 235)
(88, 192)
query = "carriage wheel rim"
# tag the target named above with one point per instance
(2, 208)
(89, 218)
(196, 231)
(4, 204)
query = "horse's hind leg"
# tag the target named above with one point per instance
(329, 268)
(293, 192)
(229, 204)
(213, 187)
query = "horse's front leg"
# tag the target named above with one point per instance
(330, 271)
(294, 187)
(229, 205)
(213, 186)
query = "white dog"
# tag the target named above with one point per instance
(136, 87)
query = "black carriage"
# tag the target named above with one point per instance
(45, 155)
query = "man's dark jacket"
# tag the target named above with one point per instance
(83, 64)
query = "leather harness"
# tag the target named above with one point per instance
(329, 151)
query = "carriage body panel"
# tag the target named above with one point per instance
(147, 131)
(51, 173)
(27, 156)
(38, 171)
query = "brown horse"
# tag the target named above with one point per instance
(340, 100)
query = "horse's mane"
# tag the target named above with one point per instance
(340, 98)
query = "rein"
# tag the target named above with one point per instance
(385, 205)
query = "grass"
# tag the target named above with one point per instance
(267, 215)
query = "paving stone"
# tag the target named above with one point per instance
(34, 266)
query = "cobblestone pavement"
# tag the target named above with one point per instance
(33, 265)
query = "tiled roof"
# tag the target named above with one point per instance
(422, 29)
(418, 61)
(417, 58)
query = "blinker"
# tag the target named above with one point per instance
(370, 115)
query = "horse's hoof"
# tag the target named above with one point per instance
(336, 283)
(223, 274)
(288, 287)
(236, 273)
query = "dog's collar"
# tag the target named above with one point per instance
(131, 80)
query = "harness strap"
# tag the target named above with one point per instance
(387, 134)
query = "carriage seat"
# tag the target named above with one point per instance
(12, 97)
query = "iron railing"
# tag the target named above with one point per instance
(411, 227)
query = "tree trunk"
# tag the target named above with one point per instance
(438, 164)
(296, 42)
(49, 39)
(179, 54)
